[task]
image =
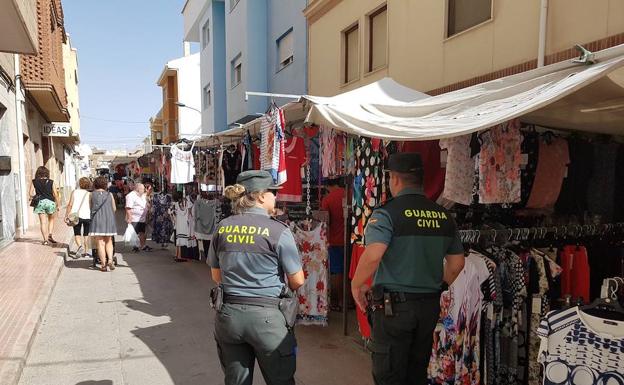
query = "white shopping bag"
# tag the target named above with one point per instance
(130, 236)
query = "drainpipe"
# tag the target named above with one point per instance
(541, 50)
(19, 105)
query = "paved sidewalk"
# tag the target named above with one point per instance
(148, 322)
(28, 273)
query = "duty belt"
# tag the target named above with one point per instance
(253, 301)
(400, 297)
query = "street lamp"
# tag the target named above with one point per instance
(179, 104)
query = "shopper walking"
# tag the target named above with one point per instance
(103, 227)
(45, 200)
(333, 203)
(137, 209)
(407, 240)
(249, 255)
(80, 205)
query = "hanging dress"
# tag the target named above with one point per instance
(182, 225)
(162, 226)
(313, 294)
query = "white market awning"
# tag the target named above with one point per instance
(565, 95)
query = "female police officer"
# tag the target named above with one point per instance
(250, 255)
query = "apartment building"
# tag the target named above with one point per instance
(48, 135)
(439, 46)
(180, 113)
(258, 45)
(18, 35)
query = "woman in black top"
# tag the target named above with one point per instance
(42, 189)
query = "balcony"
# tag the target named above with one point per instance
(192, 12)
(18, 26)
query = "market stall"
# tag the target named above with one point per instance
(531, 165)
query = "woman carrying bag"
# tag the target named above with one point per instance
(103, 227)
(78, 215)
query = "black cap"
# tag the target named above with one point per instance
(405, 162)
(255, 180)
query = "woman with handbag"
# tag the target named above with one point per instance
(44, 200)
(78, 215)
(103, 226)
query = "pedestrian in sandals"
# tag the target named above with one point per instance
(103, 227)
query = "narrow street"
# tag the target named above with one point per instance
(149, 322)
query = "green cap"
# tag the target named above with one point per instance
(405, 162)
(255, 180)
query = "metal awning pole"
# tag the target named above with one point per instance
(270, 95)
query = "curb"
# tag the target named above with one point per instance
(11, 371)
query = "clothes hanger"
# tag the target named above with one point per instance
(608, 307)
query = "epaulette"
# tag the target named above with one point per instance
(278, 221)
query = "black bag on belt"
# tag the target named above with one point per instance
(289, 306)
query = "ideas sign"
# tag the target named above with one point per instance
(57, 129)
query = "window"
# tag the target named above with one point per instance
(206, 34)
(236, 71)
(285, 50)
(377, 38)
(233, 4)
(351, 53)
(207, 96)
(464, 14)
(76, 76)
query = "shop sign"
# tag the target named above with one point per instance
(56, 129)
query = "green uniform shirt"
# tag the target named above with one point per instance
(419, 234)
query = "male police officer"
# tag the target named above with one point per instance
(407, 240)
(249, 256)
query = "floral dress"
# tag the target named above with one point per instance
(162, 225)
(455, 356)
(499, 164)
(313, 295)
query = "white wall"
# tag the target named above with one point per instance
(189, 120)
(8, 147)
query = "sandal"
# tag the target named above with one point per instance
(111, 265)
(51, 239)
(45, 243)
(103, 268)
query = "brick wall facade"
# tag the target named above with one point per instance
(47, 66)
(571, 53)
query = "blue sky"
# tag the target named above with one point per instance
(123, 46)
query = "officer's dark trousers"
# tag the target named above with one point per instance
(401, 344)
(245, 333)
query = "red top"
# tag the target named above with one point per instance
(332, 202)
(433, 174)
(292, 189)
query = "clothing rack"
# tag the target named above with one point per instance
(532, 233)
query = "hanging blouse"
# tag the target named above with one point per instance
(292, 189)
(313, 295)
(456, 346)
(182, 165)
(499, 164)
(183, 227)
(552, 163)
(231, 165)
(578, 348)
(162, 225)
(460, 170)
(328, 152)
